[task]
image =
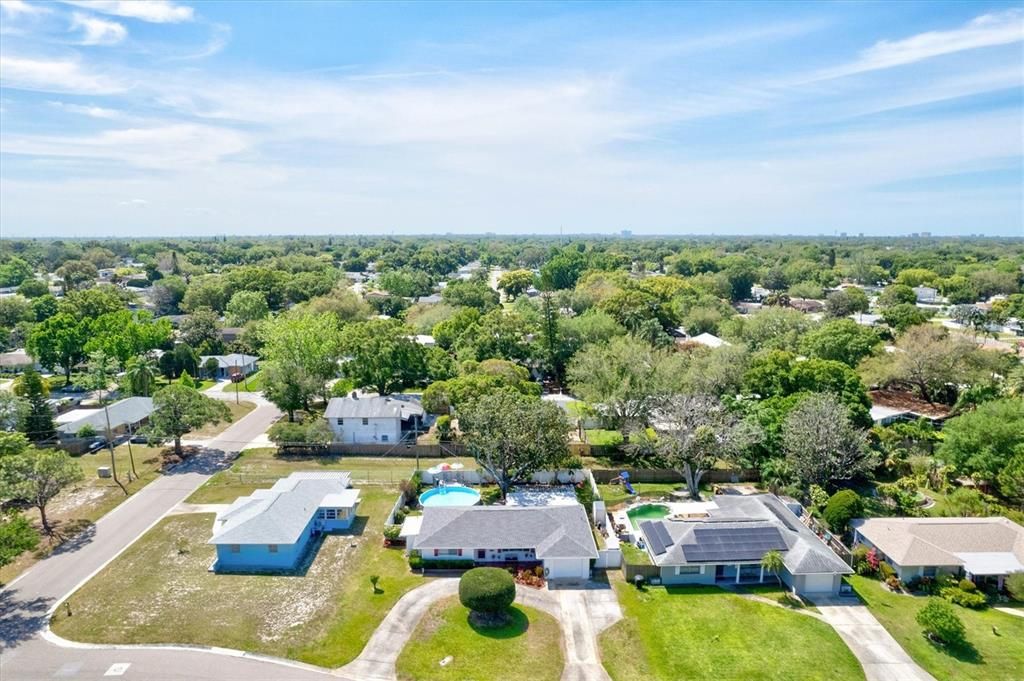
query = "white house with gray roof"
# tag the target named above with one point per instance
(271, 529)
(557, 537)
(126, 416)
(728, 543)
(228, 365)
(372, 419)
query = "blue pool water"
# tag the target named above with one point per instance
(452, 495)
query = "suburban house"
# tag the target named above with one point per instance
(229, 365)
(709, 340)
(557, 537)
(926, 294)
(372, 419)
(17, 361)
(892, 406)
(126, 417)
(726, 542)
(272, 529)
(978, 548)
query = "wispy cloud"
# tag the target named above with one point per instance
(154, 11)
(91, 111)
(55, 75)
(96, 31)
(14, 8)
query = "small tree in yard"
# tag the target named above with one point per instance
(488, 593)
(511, 436)
(773, 563)
(178, 409)
(941, 623)
(36, 477)
(821, 443)
(1015, 585)
(16, 536)
(374, 581)
(842, 507)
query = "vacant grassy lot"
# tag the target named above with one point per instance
(262, 467)
(76, 508)
(527, 649)
(997, 639)
(237, 411)
(677, 633)
(253, 384)
(159, 591)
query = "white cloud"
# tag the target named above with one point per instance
(91, 111)
(96, 31)
(988, 30)
(14, 8)
(154, 11)
(54, 75)
(134, 203)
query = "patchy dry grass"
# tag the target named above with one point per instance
(237, 412)
(159, 591)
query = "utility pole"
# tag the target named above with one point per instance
(110, 446)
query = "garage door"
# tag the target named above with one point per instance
(566, 568)
(817, 583)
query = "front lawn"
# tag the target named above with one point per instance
(252, 384)
(677, 633)
(159, 591)
(263, 467)
(76, 508)
(997, 638)
(237, 411)
(526, 649)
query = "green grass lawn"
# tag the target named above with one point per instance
(262, 468)
(237, 411)
(996, 656)
(252, 384)
(526, 649)
(678, 633)
(159, 591)
(76, 508)
(607, 438)
(634, 556)
(614, 495)
(780, 595)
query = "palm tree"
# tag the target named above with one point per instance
(772, 562)
(141, 373)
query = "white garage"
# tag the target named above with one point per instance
(567, 568)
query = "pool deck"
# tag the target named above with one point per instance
(677, 510)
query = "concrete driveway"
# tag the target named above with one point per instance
(881, 656)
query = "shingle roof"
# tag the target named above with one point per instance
(552, 531)
(124, 412)
(235, 359)
(373, 407)
(280, 514)
(941, 541)
(805, 553)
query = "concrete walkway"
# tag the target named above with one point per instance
(881, 656)
(185, 507)
(1016, 612)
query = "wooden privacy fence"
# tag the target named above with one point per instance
(605, 475)
(398, 450)
(630, 571)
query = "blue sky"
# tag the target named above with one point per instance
(173, 118)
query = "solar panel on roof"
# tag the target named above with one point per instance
(733, 543)
(659, 541)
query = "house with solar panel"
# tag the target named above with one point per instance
(274, 529)
(727, 543)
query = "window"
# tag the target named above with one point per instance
(343, 513)
(321, 514)
(383, 438)
(272, 548)
(929, 572)
(687, 569)
(340, 422)
(447, 552)
(366, 422)
(332, 514)
(234, 548)
(481, 554)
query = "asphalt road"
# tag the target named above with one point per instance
(28, 653)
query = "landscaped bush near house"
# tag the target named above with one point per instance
(885, 570)
(86, 431)
(292, 432)
(444, 427)
(391, 532)
(490, 495)
(415, 560)
(967, 585)
(1015, 585)
(963, 597)
(488, 592)
(585, 494)
(842, 507)
(941, 623)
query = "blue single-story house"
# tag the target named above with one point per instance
(271, 529)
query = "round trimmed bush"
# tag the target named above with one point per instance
(842, 507)
(940, 621)
(487, 591)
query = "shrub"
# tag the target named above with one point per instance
(86, 431)
(486, 590)
(968, 585)
(940, 621)
(886, 570)
(819, 497)
(893, 582)
(415, 560)
(391, 532)
(842, 507)
(444, 427)
(489, 495)
(966, 599)
(1015, 585)
(399, 516)
(584, 494)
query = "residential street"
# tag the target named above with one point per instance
(26, 603)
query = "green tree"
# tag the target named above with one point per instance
(511, 437)
(16, 536)
(75, 273)
(247, 306)
(903, 316)
(59, 342)
(499, 334)
(821, 444)
(487, 377)
(33, 288)
(475, 294)
(488, 592)
(36, 477)
(515, 282)
(562, 271)
(842, 507)
(381, 356)
(447, 332)
(14, 271)
(939, 621)
(845, 302)
(12, 443)
(289, 387)
(841, 340)
(178, 410)
(981, 443)
(897, 294)
(12, 410)
(695, 432)
(141, 373)
(1011, 478)
(772, 562)
(306, 343)
(37, 420)
(201, 330)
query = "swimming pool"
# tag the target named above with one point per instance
(646, 512)
(450, 495)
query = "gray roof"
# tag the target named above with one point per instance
(125, 412)
(280, 514)
(805, 553)
(233, 360)
(373, 407)
(552, 531)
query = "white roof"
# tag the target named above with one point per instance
(347, 499)
(990, 563)
(710, 340)
(411, 526)
(878, 412)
